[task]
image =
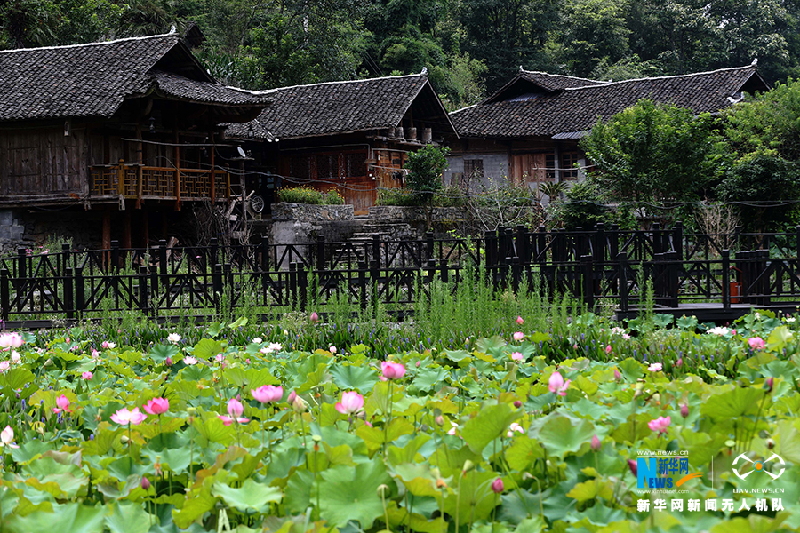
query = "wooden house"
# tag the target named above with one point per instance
(528, 131)
(350, 136)
(110, 137)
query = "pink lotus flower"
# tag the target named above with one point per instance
(632, 466)
(332, 349)
(497, 486)
(518, 336)
(15, 357)
(63, 404)
(391, 370)
(11, 340)
(313, 318)
(515, 428)
(655, 367)
(596, 444)
(453, 428)
(659, 425)
(352, 402)
(267, 394)
(235, 408)
(516, 356)
(617, 375)
(219, 358)
(189, 360)
(557, 385)
(86, 375)
(174, 338)
(291, 398)
(520, 320)
(157, 406)
(679, 362)
(4, 366)
(7, 438)
(95, 355)
(756, 343)
(609, 349)
(108, 345)
(124, 417)
(227, 421)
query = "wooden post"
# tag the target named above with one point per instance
(79, 301)
(726, 279)
(121, 177)
(69, 299)
(362, 284)
(106, 237)
(126, 230)
(177, 172)
(213, 182)
(144, 304)
(5, 295)
(145, 229)
(587, 275)
(622, 259)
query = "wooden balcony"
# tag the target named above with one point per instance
(138, 182)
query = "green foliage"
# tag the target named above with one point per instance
(425, 167)
(425, 446)
(399, 196)
(584, 206)
(652, 153)
(307, 195)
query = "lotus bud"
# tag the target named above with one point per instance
(145, 484)
(440, 484)
(632, 466)
(684, 410)
(596, 445)
(314, 318)
(440, 420)
(497, 486)
(768, 384)
(518, 404)
(468, 465)
(617, 375)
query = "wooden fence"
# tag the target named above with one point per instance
(605, 264)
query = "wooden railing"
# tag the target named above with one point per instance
(135, 181)
(595, 266)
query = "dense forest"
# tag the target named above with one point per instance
(470, 47)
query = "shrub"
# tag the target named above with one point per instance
(401, 197)
(307, 195)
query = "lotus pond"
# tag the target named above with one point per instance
(584, 428)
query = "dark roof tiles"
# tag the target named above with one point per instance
(94, 79)
(337, 107)
(577, 109)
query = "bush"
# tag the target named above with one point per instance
(307, 195)
(401, 197)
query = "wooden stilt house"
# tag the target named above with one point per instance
(103, 140)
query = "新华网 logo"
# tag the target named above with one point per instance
(663, 472)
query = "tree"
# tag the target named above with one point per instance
(652, 153)
(425, 168)
(594, 31)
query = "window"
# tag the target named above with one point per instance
(356, 166)
(568, 162)
(473, 169)
(550, 163)
(300, 167)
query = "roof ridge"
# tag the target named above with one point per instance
(693, 74)
(598, 82)
(98, 43)
(340, 82)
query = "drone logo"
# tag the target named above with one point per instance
(758, 466)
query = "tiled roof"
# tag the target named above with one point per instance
(577, 109)
(555, 82)
(94, 79)
(200, 91)
(337, 107)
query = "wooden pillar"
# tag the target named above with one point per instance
(139, 160)
(177, 171)
(106, 237)
(126, 229)
(213, 183)
(145, 229)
